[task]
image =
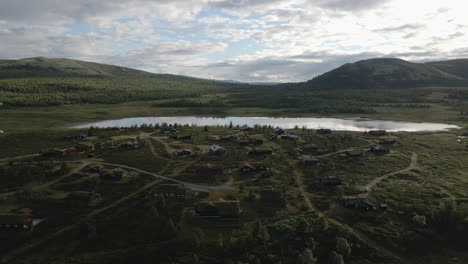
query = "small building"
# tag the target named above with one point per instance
(172, 191)
(309, 160)
(82, 196)
(218, 209)
(116, 128)
(127, 144)
(330, 181)
(21, 220)
(85, 147)
(357, 203)
(379, 132)
(56, 153)
(279, 131)
(272, 197)
(77, 137)
(380, 149)
(216, 150)
(308, 149)
(72, 152)
(388, 141)
(355, 153)
(323, 131)
(290, 137)
(246, 129)
(181, 137)
(182, 152)
(169, 128)
(247, 167)
(227, 138)
(116, 174)
(383, 206)
(260, 152)
(209, 170)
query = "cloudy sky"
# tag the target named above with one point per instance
(245, 40)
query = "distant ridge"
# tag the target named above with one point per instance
(391, 72)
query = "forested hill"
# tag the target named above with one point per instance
(50, 81)
(387, 72)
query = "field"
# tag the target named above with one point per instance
(426, 203)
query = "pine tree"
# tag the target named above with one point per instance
(342, 247)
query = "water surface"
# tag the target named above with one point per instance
(348, 124)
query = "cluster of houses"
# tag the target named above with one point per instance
(78, 149)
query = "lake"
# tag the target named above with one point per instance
(347, 124)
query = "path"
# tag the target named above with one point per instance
(414, 159)
(19, 157)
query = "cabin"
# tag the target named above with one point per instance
(209, 170)
(251, 142)
(260, 152)
(388, 141)
(72, 152)
(56, 153)
(77, 137)
(85, 147)
(218, 209)
(279, 131)
(171, 191)
(330, 181)
(127, 144)
(309, 149)
(272, 197)
(357, 203)
(323, 131)
(182, 152)
(227, 138)
(380, 132)
(247, 167)
(215, 150)
(82, 197)
(116, 128)
(354, 153)
(169, 128)
(246, 129)
(180, 137)
(21, 220)
(383, 206)
(116, 174)
(379, 149)
(95, 168)
(290, 137)
(309, 160)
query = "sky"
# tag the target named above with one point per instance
(243, 40)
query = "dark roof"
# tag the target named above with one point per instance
(354, 152)
(308, 158)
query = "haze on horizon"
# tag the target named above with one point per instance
(243, 40)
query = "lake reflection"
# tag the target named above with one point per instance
(349, 124)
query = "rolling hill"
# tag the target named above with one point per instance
(389, 72)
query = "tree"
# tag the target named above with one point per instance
(336, 258)
(308, 257)
(342, 246)
(205, 128)
(322, 224)
(230, 124)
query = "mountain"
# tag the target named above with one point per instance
(57, 67)
(389, 72)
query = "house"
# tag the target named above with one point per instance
(330, 181)
(19, 220)
(72, 152)
(246, 129)
(116, 128)
(290, 137)
(82, 196)
(216, 150)
(357, 203)
(260, 152)
(180, 137)
(380, 149)
(218, 209)
(172, 191)
(251, 142)
(383, 206)
(169, 128)
(77, 137)
(309, 160)
(388, 141)
(209, 170)
(182, 152)
(272, 197)
(85, 147)
(354, 153)
(116, 174)
(247, 167)
(279, 131)
(380, 132)
(309, 149)
(56, 153)
(323, 131)
(94, 168)
(228, 138)
(127, 144)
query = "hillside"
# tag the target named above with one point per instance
(386, 72)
